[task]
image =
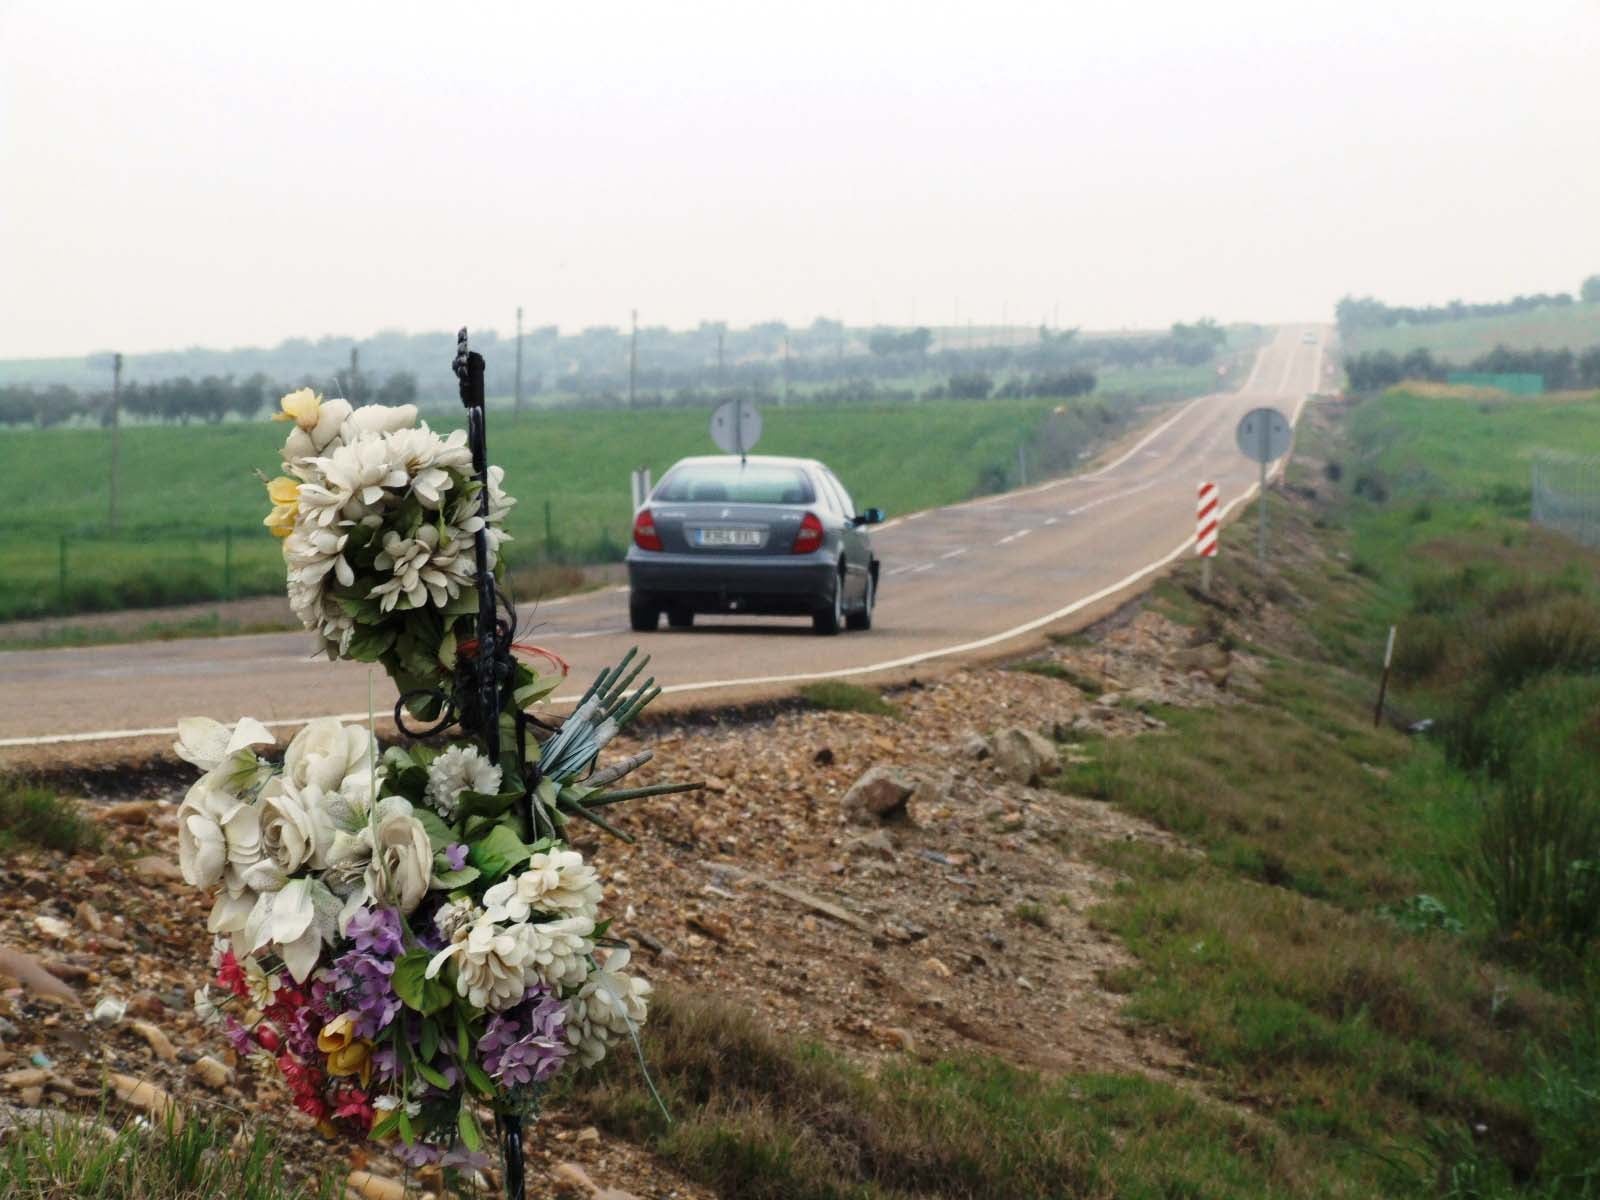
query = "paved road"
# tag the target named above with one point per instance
(957, 582)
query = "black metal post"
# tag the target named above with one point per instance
(469, 372)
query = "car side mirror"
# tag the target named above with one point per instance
(872, 516)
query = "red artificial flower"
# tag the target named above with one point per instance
(352, 1104)
(231, 975)
(267, 1038)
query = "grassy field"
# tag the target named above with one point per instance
(1576, 326)
(191, 506)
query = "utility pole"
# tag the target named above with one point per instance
(719, 359)
(116, 435)
(353, 386)
(633, 358)
(518, 404)
(785, 399)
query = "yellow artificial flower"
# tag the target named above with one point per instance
(347, 1054)
(285, 496)
(301, 408)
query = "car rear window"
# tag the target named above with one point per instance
(737, 483)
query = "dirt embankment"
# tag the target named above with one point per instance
(941, 908)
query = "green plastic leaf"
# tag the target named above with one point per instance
(478, 1078)
(496, 852)
(429, 1039)
(437, 1078)
(450, 880)
(385, 1125)
(479, 804)
(415, 990)
(440, 835)
(370, 643)
(467, 1127)
(408, 1135)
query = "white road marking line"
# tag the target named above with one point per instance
(1011, 537)
(900, 570)
(956, 553)
(909, 660)
(1083, 508)
(587, 633)
(1051, 520)
(923, 567)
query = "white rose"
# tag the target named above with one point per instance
(330, 756)
(219, 836)
(295, 828)
(378, 419)
(402, 856)
(223, 751)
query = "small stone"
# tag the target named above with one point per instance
(25, 1077)
(148, 1005)
(89, 918)
(31, 1097)
(1024, 756)
(572, 1180)
(899, 1038)
(1025, 983)
(935, 966)
(159, 1041)
(976, 747)
(154, 867)
(133, 812)
(147, 1097)
(823, 757)
(109, 1011)
(53, 927)
(367, 1186)
(588, 1134)
(881, 793)
(713, 925)
(877, 842)
(211, 1073)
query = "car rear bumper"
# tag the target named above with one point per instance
(774, 585)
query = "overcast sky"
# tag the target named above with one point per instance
(177, 174)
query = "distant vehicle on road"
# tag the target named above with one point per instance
(1309, 338)
(762, 535)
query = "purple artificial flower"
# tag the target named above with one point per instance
(418, 1154)
(238, 1036)
(456, 855)
(376, 931)
(363, 983)
(384, 1062)
(526, 1044)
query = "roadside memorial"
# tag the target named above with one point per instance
(405, 934)
(1263, 436)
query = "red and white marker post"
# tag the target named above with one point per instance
(1205, 532)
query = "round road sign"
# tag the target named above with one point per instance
(1264, 435)
(736, 427)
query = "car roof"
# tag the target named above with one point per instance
(758, 460)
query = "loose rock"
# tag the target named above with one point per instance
(881, 793)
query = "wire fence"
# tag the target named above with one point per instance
(1566, 495)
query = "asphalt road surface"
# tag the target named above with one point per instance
(957, 583)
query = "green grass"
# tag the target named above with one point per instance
(764, 1117)
(70, 1158)
(183, 486)
(848, 697)
(1576, 326)
(1051, 669)
(206, 625)
(31, 814)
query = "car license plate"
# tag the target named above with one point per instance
(728, 537)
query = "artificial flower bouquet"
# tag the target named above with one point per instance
(405, 934)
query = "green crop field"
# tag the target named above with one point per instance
(191, 505)
(1575, 326)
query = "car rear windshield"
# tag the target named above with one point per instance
(737, 483)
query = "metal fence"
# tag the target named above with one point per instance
(1566, 495)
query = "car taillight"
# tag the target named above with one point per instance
(644, 531)
(809, 536)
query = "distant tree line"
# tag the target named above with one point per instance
(1562, 369)
(210, 399)
(1355, 313)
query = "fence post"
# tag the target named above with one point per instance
(61, 571)
(227, 562)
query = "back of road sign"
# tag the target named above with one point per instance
(1263, 435)
(736, 427)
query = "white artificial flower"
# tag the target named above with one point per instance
(355, 478)
(375, 420)
(296, 919)
(402, 856)
(491, 965)
(296, 829)
(422, 569)
(324, 434)
(205, 1008)
(611, 1003)
(554, 881)
(428, 460)
(312, 552)
(454, 915)
(556, 951)
(219, 836)
(223, 751)
(332, 757)
(459, 769)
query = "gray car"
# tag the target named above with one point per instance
(761, 535)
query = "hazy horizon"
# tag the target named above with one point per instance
(201, 177)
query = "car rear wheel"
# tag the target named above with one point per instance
(829, 619)
(643, 617)
(863, 619)
(680, 618)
